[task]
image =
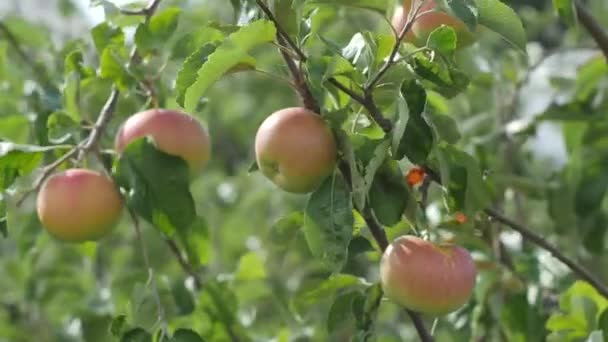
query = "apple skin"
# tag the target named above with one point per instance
(427, 23)
(79, 205)
(174, 132)
(295, 149)
(398, 22)
(427, 278)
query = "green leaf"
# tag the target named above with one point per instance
(3, 218)
(232, 51)
(196, 242)
(389, 196)
(566, 11)
(467, 11)
(444, 126)
(466, 190)
(365, 310)
(376, 5)
(193, 41)
(443, 39)
(17, 161)
(603, 322)
(113, 66)
(186, 335)
(501, 19)
(105, 35)
(117, 325)
(157, 186)
(15, 128)
(183, 298)
(341, 311)
(136, 335)
(437, 76)
(328, 222)
(251, 267)
(61, 128)
(187, 75)
(327, 289)
(417, 140)
(581, 307)
(154, 34)
(593, 184)
(286, 227)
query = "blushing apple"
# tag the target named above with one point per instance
(427, 23)
(295, 149)
(174, 132)
(427, 278)
(79, 205)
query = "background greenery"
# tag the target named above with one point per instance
(534, 124)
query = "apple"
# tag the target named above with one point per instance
(174, 132)
(295, 149)
(427, 23)
(79, 205)
(425, 277)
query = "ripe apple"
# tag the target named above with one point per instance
(174, 132)
(79, 205)
(295, 149)
(427, 278)
(427, 23)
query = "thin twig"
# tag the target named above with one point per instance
(281, 31)
(150, 270)
(46, 173)
(412, 17)
(581, 271)
(185, 265)
(592, 26)
(368, 103)
(105, 116)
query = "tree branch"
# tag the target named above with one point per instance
(184, 264)
(281, 31)
(594, 28)
(367, 101)
(581, 271)
(283, 38)
(412, 17)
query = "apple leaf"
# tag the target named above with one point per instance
(157, 186)
(566, 10)
(136, 335)
(375, 5)
(466, 190)
(438, 76)
(389, 196)
(328, 222)
(501, 19)
(154, 34)
(417, 140)
(443, 39)
(465, 10)
(229, 53)
(186, 335)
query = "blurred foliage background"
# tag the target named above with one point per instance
(537, 125)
